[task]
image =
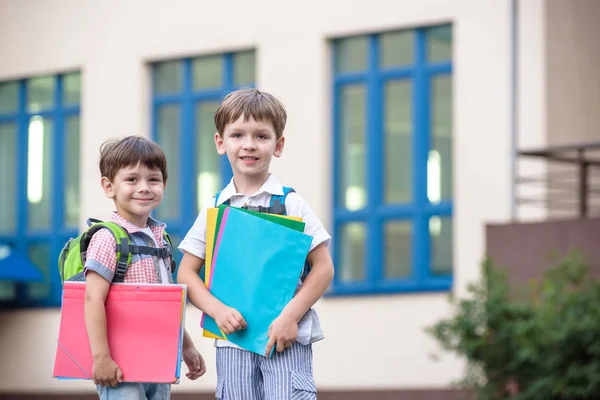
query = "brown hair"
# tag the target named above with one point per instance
(261, 106)
(128, 152)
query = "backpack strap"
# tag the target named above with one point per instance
(167, 237)
(277, 205)
(226, 202)
(122, 244)
(160, 252)
(163, 252)
(278, 201)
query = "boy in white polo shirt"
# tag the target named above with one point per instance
(250, 126)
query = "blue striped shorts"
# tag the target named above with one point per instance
(242, 375)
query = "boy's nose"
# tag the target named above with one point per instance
(143, 186)
(249, 144)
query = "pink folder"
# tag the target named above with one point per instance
(144, 326)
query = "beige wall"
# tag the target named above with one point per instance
(573, 76)
(111, 43)
(573, 89)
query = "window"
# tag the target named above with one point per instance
(39, 177)
(393, 174)
(186, 94)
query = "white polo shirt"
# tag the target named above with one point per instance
(309, 328)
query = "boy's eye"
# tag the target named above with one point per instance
(262, 136)
(236, 135)
(130, 179)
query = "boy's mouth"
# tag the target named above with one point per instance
(249, 159)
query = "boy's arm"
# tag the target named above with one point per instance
(315, 284)
(284, 329)
(192, 358)
(105, 370)
(228, 319)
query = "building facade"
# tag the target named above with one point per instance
(403, 120)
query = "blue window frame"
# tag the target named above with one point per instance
(392, 124)
(186, 93)
(39, 176)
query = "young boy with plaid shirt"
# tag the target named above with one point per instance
(134, 176)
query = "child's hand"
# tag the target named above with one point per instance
(106, 372)
(282, 332)
(195, 363)
(229, 320)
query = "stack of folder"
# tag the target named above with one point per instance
(145, 325)
(253, 264)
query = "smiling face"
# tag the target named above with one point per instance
(250, 145)
(136, 191)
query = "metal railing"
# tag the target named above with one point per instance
(567, 185)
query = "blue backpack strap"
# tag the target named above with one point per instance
(226, 202)
(277, 205)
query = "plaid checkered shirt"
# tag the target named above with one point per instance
(101, 256)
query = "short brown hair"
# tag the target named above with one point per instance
(261, 106)
(128, 152)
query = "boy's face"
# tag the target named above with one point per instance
(250, 145)
(136, 191)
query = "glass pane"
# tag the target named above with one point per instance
(207, 72)
(8, 178)
(398, 255)
(39, 172)
(8, 291)
(351, 54)
(398, 141)
(352, 252)
(40, 93)
(167, 77)
(244, 68)
(439, 43)
(9, 97)
(207, 159)
(72, 89)
(353, 194)
(440, 232)
(439, 166)
(72, 167)
(168, 133)
(397, 48)
(39, 254)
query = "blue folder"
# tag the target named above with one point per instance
(256, 270)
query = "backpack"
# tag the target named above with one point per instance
(72, 257)
(277, 206)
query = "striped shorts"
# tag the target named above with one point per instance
(242, 375)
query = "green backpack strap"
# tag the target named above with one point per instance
(123, 245)
(170, 249)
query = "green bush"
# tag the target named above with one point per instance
(544, 345)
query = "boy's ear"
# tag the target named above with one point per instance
(219, 144)
(107, 187)
(279, 147)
